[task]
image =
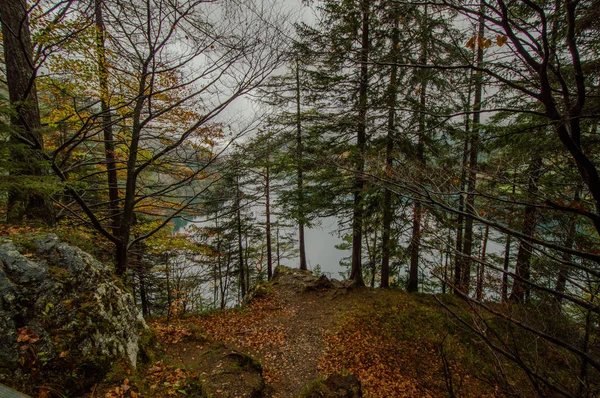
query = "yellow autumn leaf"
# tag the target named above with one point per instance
(471, 43)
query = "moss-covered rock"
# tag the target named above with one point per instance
(301, 281)
(64, 317)
(334, 386)
(230, 373)
(260, 291)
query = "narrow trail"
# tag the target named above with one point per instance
(312, 315)
(299, 328)
(285, 331)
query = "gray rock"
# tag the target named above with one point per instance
(68, 309)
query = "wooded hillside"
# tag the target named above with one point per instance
(190, 145)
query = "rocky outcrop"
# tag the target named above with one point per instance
(61, 312)
(305, 280)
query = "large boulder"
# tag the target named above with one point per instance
(64, 318)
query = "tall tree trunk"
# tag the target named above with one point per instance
(520, 290)
(168, 286)
(278, 254)
(465, 272)
(415, 244)
(391, 126)
(246, 264)
(128, 215)
(20, 77)
(218, 273)
(481, 266)
(506, 263)
(242, 272)
(299, 178)
(361, 143)
(372, 252)
(446, 277)
(268, 226)
(107, 128)
(458, 258)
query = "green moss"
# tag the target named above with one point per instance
(316, 388)
(147, 343)
(262, 290)
(25, 244)
(59, 273)
(117, 372)
(244, 361)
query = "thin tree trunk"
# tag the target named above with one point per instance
(458, 258)
(465, 272)
(246, 266)
(361, 143)
(372, 252)
(507, 251)
(109, 145)
(169, 292)
(268, 226)
(20, 78)
(480, 265)
(278, 256)
(446, 278)
(218, 273)
(300, 178)
(413, 278)
(391, 126)
(505, 269)
(521, 290)
(242, 272)
(225, 293)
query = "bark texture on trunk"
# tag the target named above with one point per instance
(521, 289)
(464, 280)
(268, 224)
(391, 126)
(415, 243)
(26, 140)
(107, 128)
(361, 143)
(299, 171)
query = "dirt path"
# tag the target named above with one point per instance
(311, 316)
(285, 331)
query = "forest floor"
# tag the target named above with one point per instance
(297, 330)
